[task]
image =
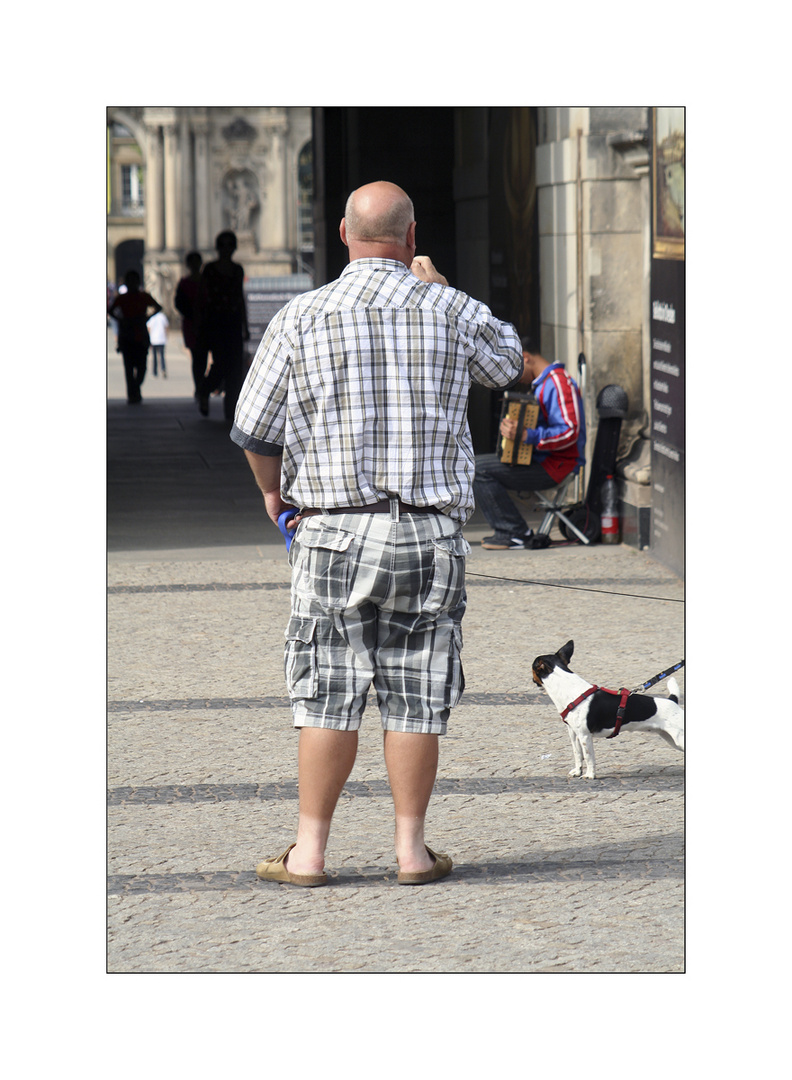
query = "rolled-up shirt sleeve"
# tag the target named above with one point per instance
(260, 417)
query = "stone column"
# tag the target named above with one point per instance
(172, 201)
(154, 232)
(186, 185)
(203, 236)
(279, 187)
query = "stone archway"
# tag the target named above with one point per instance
(131, 123)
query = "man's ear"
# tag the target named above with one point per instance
(342, 231)
(410, 242)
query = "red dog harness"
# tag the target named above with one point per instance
(622, 694)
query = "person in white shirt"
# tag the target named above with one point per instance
(158, 335)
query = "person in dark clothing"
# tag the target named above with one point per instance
(186, 303)
(223, 326)
(132, 309)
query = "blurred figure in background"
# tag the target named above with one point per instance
(223, 326)
(186, 303)
(131, 310)
(158, 336)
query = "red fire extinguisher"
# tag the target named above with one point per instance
(609, 517)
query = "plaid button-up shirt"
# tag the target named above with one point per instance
(363, 385)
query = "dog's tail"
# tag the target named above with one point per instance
(673, 690)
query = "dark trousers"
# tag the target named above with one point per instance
(228, 371)
(199, 357)
(135, 357)
(491, 487)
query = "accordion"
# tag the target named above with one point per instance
(524, 408)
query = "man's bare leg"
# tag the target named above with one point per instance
(411, 761)
(325, 760)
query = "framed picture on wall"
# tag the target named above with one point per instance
(668, 183)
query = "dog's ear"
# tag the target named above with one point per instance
(540, 669)
(565, 652)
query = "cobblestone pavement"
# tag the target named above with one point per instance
(552, 874)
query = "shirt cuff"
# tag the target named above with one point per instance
(517, 385)
(256, 446)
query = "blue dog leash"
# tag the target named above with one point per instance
(657, 678)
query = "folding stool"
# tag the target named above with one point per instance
(553, 502)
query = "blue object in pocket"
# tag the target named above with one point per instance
(288, 534)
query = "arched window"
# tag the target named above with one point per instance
(126, 193)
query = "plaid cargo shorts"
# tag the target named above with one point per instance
(376, 600)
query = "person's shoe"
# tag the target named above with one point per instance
(203, 404)
(442, 866)
(504, 542)
(276, 870)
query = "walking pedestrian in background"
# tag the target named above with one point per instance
(131, 309)
(158, 336)
(186, 303)
(223, 326)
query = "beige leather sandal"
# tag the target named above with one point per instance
(442, 866)
(276, 870)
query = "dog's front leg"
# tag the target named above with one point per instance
(587, 745)
(577, 752)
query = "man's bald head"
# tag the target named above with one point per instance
(379, 213)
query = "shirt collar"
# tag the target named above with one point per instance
(545, 373)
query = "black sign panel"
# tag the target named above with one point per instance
(667, 329)
(668, 352)
(261, 307)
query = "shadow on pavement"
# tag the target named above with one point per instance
(176, 481)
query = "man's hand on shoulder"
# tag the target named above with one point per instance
(423, 268)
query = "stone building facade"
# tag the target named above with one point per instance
(548, 214)
(593, 187)
(601, 264)
(180, 175)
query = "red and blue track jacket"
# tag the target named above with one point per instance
(560, 438)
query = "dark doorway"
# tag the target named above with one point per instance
(412, 147)
(128, 256)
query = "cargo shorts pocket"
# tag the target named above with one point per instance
(300, 658)
(446, 588)
(323, 561)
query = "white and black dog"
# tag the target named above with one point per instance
(593, 711)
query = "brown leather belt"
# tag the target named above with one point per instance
(381, 507)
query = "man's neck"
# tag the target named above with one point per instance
(379, 249)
